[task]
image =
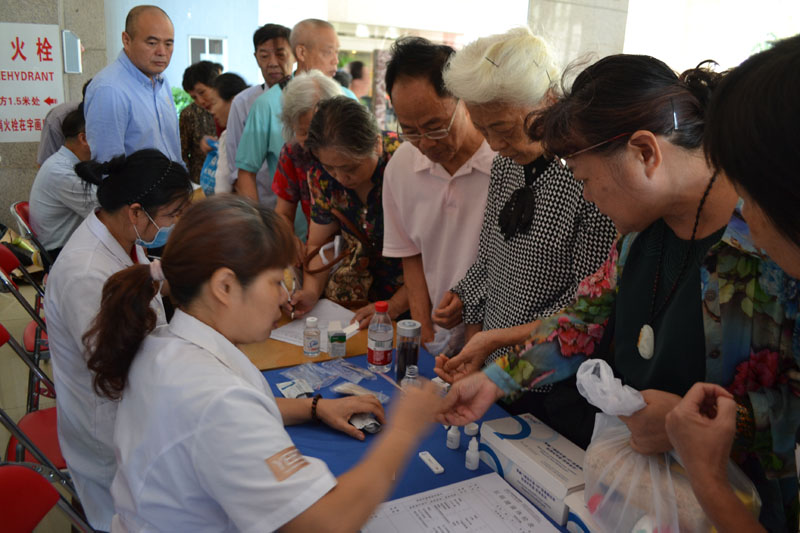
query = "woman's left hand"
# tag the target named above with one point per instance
(647, 426)
(470, 359)
(337, 412)
(364, 315)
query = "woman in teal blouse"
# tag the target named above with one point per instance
(684, 293)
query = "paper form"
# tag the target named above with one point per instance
(325, 311)
(479, 505)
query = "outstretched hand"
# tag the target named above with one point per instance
(469, 399)
(469, 360)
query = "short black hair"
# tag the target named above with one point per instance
(356, 69)
(204, 72)
(267, 32)
(752, 132)
(73, 124)
(229, 85)
(416, 57)
(344, 78)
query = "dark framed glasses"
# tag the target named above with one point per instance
(562, 161)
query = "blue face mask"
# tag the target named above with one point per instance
(160, 238)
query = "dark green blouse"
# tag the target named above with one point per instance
(679, 358)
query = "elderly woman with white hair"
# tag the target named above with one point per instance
(539, 238)
(290, 183)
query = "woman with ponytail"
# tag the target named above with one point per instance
(140, 198)
(200, 438)
(684, 295)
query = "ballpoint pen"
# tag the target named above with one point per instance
(290, 293)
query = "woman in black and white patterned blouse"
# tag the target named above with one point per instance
(539, 238)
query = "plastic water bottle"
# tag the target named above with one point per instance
(410, 379)
(311, 336)
(380, 335)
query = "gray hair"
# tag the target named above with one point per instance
(515, 67)
(301, 95)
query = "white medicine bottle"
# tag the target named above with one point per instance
(311, 336)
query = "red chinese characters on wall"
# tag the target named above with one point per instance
(44, 50)
(21, 124)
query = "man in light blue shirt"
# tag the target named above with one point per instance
(59, 199)
(274, 58)
(129, 105)
(315, 46)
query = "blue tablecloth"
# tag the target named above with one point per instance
(342, 452)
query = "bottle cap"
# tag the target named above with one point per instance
(471, 429)
(311, 321)
(408, 328)
(473, 445)
(412, 371)
(381, 307)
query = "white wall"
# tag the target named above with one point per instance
(684, 32)
(580, 29)
(470, 18)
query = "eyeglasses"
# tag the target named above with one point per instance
(562, 161)
(433, 135)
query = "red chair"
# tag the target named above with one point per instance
(34, 339)
(26, 496)
(22, 214)
(35, 437)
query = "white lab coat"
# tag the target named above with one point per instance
(200, 441)
(85, 420)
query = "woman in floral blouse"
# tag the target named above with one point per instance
(684, 293)
(352, 154)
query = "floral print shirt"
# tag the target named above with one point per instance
(752, 348)
(328, 194)
(291, 177)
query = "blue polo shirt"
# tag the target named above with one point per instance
(262, 138)
(126, 111)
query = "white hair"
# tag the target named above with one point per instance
(301, 95)
(515, 67)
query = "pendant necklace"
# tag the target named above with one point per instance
(647, 337)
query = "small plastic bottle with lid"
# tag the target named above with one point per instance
(380, 336)
(411, 378)
(311, 335)
(454, 437)
(473, 455)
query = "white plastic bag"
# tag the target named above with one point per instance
(628, 491)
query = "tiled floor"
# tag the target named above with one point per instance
(14, 383)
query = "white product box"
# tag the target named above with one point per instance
(579, 519)
(541, 464)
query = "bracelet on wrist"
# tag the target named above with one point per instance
(314, 402)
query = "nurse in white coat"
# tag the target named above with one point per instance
(199, 437)
(140, 197)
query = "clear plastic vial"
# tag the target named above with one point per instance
(311, 337)
(408, 339)
(410, 379)
(380, 335)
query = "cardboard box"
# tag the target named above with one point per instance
(541, 464)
